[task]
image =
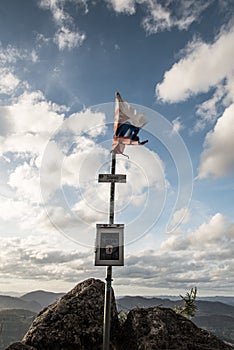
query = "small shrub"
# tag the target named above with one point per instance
(122, 316)
(189, 308)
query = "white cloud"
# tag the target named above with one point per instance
(30, 121)
(27, 123)
(180, 216)
(66, 36)
(210, 234)
(158, 18)
(25, 181)
(161, 15)
(203, 66)
(42, 258)
(217, 159)
(201, 260)
(14, 209)
(229, 90)
(34, 56)
(86, 121)
(69, 179)
(214, 234)
(9, 56)
(123, 6)
(208, 110)
(56, 8)
(8, 81)
(177, 125)
(198, 256)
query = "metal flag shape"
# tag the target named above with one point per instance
(127, 124)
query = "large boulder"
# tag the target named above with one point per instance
(163, 329)
(75, 321)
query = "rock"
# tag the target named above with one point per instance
(75, 321)
(20, 346)
(163, 329)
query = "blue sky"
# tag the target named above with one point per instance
(61, 62)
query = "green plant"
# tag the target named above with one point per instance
(188, 309)
(122, 316)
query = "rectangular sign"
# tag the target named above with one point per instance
(112, 178)
(109, 249)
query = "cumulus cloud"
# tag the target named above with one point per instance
(29, 138)
(66, 36)
(208, 110)
(161, 15)
(211, 234)
(14, 209)
(25, 181)
(177, 125)
(35, 136)
(199, 257)
(42, 258)
(9, 56)
(203, 66)
(31, 119)
(81, 160)
(78, 123)
(52, 169)
(180, 216)
(217, 159)
(8, 82)
(123, 6)
(27, 123)
(150, 271)
(202, 258)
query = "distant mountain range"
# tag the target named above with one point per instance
(17, 314)
(33, 301)
(223, 299)
(41, 297)
(14, 323)
(215, 314)
(7, 302)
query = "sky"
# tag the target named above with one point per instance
(61, 63)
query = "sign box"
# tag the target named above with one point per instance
(109, 250)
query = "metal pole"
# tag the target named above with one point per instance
(107, 305)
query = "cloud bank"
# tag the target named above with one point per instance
(202, 67)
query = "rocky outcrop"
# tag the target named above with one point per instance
(163, 329)
(73, 322)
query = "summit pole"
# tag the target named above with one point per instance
(107, 305)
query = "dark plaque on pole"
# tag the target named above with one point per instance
(109, 245)
(121, 178)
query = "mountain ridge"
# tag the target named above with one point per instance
(8, 302)
(44, 298)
